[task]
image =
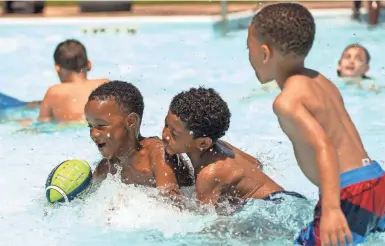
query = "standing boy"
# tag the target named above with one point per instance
(326, 143)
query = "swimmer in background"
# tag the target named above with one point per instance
(114, 114)
(374, 8)
(311, 112)
(65, 102)
(354, 65)
(194, 124)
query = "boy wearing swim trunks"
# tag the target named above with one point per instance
(195, 122)
(326, 143)
(114, 114)
(65, 102)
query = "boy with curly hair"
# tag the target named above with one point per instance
(195, 122)
(311, 112)
(114, 114)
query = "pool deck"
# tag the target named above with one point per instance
(174, 9)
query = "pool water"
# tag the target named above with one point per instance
(161, 59)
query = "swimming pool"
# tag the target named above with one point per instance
(164, 57)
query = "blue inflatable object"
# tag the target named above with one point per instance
(9, 102)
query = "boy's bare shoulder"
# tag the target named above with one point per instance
(222, 166)
(153, 142)
(153, 146)
(55, 88)
(222, 172)
(296, 91)
(99, 81)
(55, 91)
(61, 88)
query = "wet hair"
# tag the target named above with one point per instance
(125, 94)
(366, 52)
(203, 112)
(288, 27)
(71, 55)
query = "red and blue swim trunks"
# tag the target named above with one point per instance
(362, 202)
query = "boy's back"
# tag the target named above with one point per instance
(65, 102)
(311, 93)
(238, 175)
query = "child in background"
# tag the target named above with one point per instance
(65, 102)
(354, 62)
(353, 67)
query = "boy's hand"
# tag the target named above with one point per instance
(334, 228)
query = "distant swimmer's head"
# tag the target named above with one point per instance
(279, 34)
(354, 62)
(195, 120)
(114, 112)
(70, 56)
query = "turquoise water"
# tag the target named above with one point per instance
(162, 59)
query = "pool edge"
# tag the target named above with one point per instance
(152, 19)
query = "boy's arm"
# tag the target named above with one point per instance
(101, 170)
(163, 171)
(212, 180)
(296, 120)
(45, 114)
(208, 188)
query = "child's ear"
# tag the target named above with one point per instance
(89, 65)
(204, 143)
(57, 68)
(132, 120)
(266, 53)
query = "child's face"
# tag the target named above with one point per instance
(107, 127)
(353, 63)
(176, 137)
(259, 57)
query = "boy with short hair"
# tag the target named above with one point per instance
(114, 114)
(311, 112)
(65, 102)
(195, 122)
